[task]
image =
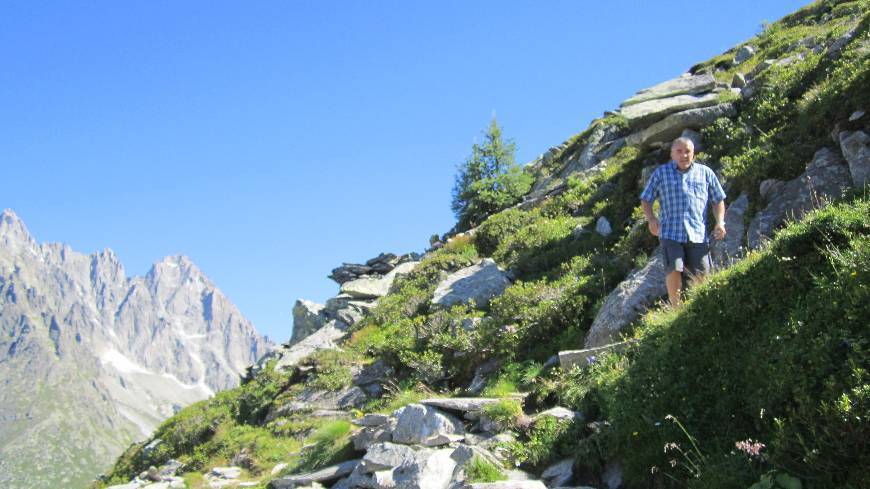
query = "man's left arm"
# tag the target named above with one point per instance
(717, 195)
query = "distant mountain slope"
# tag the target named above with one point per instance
(92, 360)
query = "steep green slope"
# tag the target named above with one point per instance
(772, 350)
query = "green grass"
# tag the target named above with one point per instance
(480, 470)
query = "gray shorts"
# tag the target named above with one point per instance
(693, 258)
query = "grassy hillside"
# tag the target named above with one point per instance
(772, 350)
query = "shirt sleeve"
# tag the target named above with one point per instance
(650, 193)
(717, 193)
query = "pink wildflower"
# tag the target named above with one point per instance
(750, 447)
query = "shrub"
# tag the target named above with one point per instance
(480, 470)
(504, 413)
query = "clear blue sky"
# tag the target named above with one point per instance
(271, 141)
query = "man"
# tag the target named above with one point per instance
(683, 189)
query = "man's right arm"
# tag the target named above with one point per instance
(651, 220)
(646, 203)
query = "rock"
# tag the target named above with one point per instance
(738, 81)
(559, 474)
(770, 187)
(836, 47)
(464, 454)
(652, 110)
(153, 474)
(431, 469)
(496, 445)
(382, 456)
(227, 472)
(743, 54)
(418, 424)
(761, 67)
(460, 404)
(129, 485)
(684, 84)
(479, 283)
(481, 374)
(671, 126)
(726, 251)
(695, 137)
(856, 115)
(628, 301)
(308, 317)
(324, 338)
(329, 473)
(508, 484)
(368, 436)
(826, 178)
(577, 232)
(374, 373)
(278, 468)
(372, 420)
(602, 226)
(856, 149)
(375, 287)
(560, 413)
(582, 358)
(349, 271)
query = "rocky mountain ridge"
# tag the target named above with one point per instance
(85, 350)
(532, 351)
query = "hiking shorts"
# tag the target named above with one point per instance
(693, 258)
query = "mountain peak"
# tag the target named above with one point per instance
(12, 228)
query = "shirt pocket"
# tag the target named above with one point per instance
(698, 190)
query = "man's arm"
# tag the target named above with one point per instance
(651, 220)
(719, 213)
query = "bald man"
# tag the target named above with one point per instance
(684, 189)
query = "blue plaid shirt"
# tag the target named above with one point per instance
(683, 200)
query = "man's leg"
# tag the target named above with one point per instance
(674, 282)
(698, 263)
(674, 257)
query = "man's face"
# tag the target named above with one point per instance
(683, 154)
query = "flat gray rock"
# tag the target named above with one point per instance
(381, 456)
(684, 84)
(323, 475)
(628, 301)
(653, 110)
(826, 178)
(856, 149)
(744, 54)
(569, 359)
(431, 469)
(461, 404)
(375, 287)
(509, 484)
(559, 474)
(325, 338)
(479, 283)
(673, 125)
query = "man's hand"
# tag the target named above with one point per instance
(653, 225)
(719, 231)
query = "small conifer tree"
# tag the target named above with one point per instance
(488, 181)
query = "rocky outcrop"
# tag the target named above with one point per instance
(856, 149)
(308, 317)
(569, 359)
(652, 110)
(373, 287)
(825, 178)
(682, 85)
(377, 266)
(325, 338)
(627, 302)
(671, 126)
(424, 425)
(730, 249)
(478, 283)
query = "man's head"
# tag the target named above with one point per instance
(683, 153)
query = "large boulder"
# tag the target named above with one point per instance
(325, 338)
(653, 110)
(381, 456)
(684, 84)
(856, 149)
(417, 424)
(825, 178)
(559, 474)
(628, 301)
(375, 287)
(308, 317)
(480, 283)
(673, 125)
(726, 251)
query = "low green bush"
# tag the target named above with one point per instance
(480, 470)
